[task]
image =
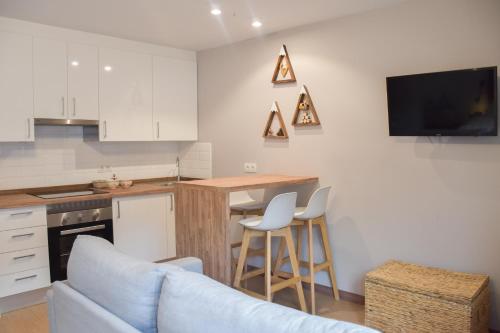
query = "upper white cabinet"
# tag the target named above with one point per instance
(50, 78)
(83, 82)
(135, 91)
(16, 87)
(175, 116)
(66, 80)
(125, 96)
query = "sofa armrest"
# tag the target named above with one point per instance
(70, 311)
(52, 314)
(191, 264)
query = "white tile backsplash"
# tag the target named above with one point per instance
(196, 159)
(61, 155)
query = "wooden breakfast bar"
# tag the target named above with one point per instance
(203, 217)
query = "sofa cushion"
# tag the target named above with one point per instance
(193, 303)
(124, 286)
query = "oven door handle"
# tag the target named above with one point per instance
(82, 230)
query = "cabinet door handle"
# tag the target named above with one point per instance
(118, 207)
(26, 277)
(22, 213)
(24, 235)
(171, 202)
(158, 129)
(29, 128)
(24, 257)
(62, 103)
(105, 129)
(74, 106)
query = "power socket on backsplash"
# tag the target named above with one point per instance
(250, 167)
(104, 169)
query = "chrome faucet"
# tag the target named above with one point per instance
(177, 165)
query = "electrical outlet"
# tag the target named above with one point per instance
(250, 167)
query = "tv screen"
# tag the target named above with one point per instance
(454, 103)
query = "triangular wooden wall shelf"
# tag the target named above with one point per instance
(281, 133)
(305, 112)
(283, 72)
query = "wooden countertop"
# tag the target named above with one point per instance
(18, 200)
(232, 184)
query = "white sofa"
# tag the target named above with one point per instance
(110, 292)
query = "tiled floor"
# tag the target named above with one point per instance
(34, 319)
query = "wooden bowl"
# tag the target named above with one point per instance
(126, 183)
(112, 184)
(100, 184)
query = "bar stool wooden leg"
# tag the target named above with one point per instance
(312, 274)
(279, 257)
(299, 243)
(328, 255)
(242, 259)
(267, 273)
(295, 269)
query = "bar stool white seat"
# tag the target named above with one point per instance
(311, 215)
(274, 223)
(241, 203)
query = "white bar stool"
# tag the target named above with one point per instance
(310, 216)
(242, 204)
(275, 223)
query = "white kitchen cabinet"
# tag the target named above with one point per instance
(142, 226)
(125, 96)
(24, 252)
(83, 82)
(16, 87)
(175, 115)
(50, 78)
(171, 252)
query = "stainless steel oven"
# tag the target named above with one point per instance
(66, 221)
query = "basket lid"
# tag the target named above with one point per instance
(435, 282)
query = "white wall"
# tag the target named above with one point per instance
(426, 200)
(62, 156)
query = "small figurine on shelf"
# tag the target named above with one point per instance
(280, 133)
(303, 106)
(270, 132)
(307, 118)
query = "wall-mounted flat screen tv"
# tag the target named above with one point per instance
(453, 103)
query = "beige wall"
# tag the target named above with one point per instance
(434, 201)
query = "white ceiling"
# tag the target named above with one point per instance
(183, 23)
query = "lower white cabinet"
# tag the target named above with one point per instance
(24, 281)
(24, 252)
(144, 226)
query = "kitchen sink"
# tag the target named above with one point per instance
(170, 183)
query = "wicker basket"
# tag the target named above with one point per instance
(403, 297)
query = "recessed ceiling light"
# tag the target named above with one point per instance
(75, 63)
(216, 11)
(256, 24)
(108, 68)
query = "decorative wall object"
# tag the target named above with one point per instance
(283, 72)
(305, 112)
(273, 131)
